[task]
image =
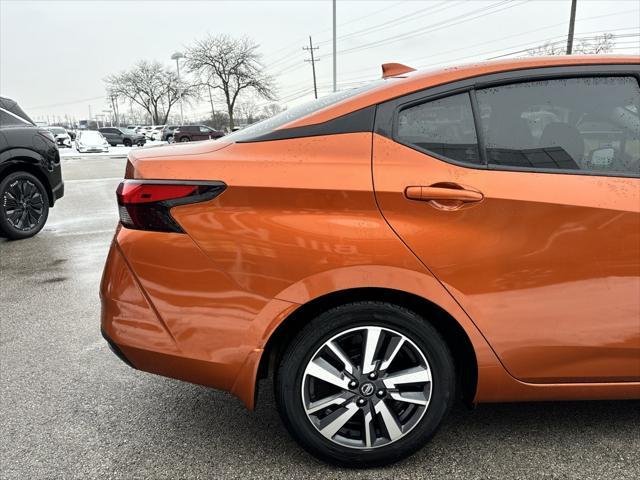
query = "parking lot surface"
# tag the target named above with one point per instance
(70, 409)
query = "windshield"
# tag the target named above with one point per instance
(90, 136)
(128, 131)
(57, 131)
(266, 126)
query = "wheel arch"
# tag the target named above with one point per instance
(445, 323)
(29, 164)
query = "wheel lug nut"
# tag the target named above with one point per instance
(353, 384)
(373, 376)
(361, 402)
(380, 393)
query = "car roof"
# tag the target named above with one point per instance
(397, 86)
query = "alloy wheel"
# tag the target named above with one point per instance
(23, 205)
(366, 387)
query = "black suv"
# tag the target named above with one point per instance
(122, 136)
(192, 133)
(30, 173)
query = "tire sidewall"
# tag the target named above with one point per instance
(333, 322)
(6, 229)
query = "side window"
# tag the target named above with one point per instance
(444, 127)
(7, 119)
(588, 124)
(205, 130)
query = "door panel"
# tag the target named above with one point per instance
(547, 265)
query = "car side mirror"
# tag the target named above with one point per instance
(602, 157)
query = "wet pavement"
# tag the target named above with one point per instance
(70, 409)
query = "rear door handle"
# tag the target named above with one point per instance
(447, 193)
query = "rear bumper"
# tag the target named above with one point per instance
(158, 325)
(115, 349)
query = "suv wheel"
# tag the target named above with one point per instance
(126, 142)
(169, 138)
(184, 139)
(24, 206)
(365, 384)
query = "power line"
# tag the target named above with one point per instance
(482, 12)
(66, 103)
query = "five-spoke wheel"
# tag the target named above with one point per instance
(365, 384)
(366, 387)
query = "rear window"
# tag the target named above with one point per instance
(268, 125)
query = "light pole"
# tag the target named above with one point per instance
(335, 76)
(177, 56)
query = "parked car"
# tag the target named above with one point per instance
(167, 133)
(91, 141)
(122, 136)
(30, 173)
(145, 130)
(156, 132)
(63, 139)
(385, 250)
(192, 133)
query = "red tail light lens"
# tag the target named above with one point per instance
(146, 204)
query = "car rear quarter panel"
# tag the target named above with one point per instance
(298, 221)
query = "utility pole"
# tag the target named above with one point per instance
(177, 56)
(335, 88)
(311, 48)
(572, 22)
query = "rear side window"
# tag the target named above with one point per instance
(444, 127)
(588, 124)
(7, 119)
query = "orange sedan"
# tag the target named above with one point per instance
(469, 232)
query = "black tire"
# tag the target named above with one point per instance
(18, 187)
(169, 138)
(185, 139)
(290, 374)
(126, 142)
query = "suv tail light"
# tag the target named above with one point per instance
(146, 204)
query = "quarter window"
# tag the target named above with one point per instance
(589, 124)
(444, 127)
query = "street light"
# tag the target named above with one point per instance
(177, 56)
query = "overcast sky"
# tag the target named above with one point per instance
(55, 54)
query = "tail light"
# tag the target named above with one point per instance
(146, 204)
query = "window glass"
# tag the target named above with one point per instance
(587, 124)
(205, 130)
(6, 119)
(444, 127)
(268, 125)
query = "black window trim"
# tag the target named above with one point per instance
(386, 119)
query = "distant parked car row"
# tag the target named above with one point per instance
(177, 133)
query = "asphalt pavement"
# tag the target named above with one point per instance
(70, 409)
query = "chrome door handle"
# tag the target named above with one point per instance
(445, 196)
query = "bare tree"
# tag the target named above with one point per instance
(150, 86)
(231, 66)
(587, 46)
(600, 44)
(272, 109)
